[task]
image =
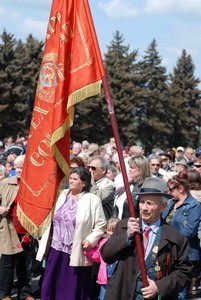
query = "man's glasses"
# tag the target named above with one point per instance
(155, 165)
(91, 167)
(197, 166)
(173, 188)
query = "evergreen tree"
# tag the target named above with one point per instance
(185, 97)
(153, 105)
(28, 59)
(120, 69)
(19, 72)
(6, 83)
(88, 121)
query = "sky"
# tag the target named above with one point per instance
(174, 24)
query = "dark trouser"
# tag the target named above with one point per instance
(8, 263)
(95, 285)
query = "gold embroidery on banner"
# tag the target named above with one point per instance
(35, 121)
(89, 60)
(38, 115)
(60, 72)
(50, 72)
(47, 81)
(37, 193)
(68, 33)
(58, 102)
(52, 56)
(65, 35)
(58, 17)
(66, 30)
(52, 24)
(36, 158)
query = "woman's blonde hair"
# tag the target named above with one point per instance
(111, 223)
(143, 164)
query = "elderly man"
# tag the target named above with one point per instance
(76, 149)
(155, 164)
(179, 153)
(101, 185)
(167, 266)
(189, 155)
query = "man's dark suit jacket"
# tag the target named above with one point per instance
(172, 259)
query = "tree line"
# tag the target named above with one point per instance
(152, 108)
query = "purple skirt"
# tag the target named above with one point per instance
(62, 282)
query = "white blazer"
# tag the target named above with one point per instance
(90, 225)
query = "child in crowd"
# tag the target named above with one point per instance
(105, 270)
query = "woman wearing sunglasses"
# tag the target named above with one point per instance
(183, 213)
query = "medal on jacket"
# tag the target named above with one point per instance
(155, 249)
(157, 268)
(159, 274)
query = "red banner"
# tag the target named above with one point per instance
(71, 71)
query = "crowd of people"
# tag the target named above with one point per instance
(88, 252)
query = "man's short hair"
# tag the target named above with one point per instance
(103, 160)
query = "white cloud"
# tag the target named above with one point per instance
(132, 8)
(178, 7)
(30, 25)
(189, 38)
(7, 14)
(119, 8)
(170, 55)
(2, 11)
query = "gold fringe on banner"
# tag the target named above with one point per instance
(83, 93)
(34, 231)
(77, 96)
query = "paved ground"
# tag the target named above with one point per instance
(34, 283)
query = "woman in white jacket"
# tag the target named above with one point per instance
(77, 225)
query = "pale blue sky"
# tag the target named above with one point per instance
(175, 24)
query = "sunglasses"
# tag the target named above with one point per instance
(173, 188)
(91, 167)
(153, 165)
(197, 166)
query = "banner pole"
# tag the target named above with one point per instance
(125, 178)
(121, 160)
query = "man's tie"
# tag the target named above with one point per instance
(146, 238)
